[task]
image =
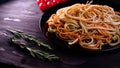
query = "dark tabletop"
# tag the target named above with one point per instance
(24, 15)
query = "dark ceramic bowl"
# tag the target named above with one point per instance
(62, 45)
(4, 1)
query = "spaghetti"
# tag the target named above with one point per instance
(90, 26)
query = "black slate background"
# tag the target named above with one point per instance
(29, 14)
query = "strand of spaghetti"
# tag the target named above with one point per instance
(101, 28)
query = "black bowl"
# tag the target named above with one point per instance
(62, 45)
(4, 1)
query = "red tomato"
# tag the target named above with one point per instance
(58, 1)
(38, 1)
(43, 6)
(47, 0)
(50, 4)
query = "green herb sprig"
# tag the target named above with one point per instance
(31, 38)
(18, 39)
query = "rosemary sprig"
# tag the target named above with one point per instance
(19, 38)
(35, 52)
(30, 38)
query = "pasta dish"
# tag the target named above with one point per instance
(92, 26)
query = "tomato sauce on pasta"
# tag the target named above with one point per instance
(90, 26)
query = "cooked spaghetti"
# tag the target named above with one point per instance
(90, 26)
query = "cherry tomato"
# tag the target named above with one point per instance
(45, 4)
(47, 0)
(58, 1)
(42, 6)
(38, 1)
(50, 4)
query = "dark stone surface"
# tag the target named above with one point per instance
(24, 15)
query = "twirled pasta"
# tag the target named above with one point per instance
(90, 26)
